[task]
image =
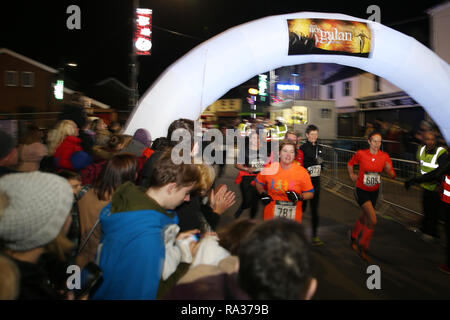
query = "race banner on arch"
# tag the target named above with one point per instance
(329, 36)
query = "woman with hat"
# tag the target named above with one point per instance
(34, 213)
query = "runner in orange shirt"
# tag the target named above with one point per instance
(284, 185)
(371, 162)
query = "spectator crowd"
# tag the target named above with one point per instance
(89, 196)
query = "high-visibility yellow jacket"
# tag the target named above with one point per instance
(428, 162)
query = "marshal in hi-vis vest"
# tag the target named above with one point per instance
(428, 163)
(278, 132)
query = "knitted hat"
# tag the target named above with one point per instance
(36, 209)
(143, 136)
(6, 144)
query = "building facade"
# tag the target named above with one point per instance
(362, 97)
(27, 91)
(439, 27)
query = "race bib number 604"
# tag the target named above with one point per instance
(372, 179)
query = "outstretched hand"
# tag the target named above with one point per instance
(221, 199)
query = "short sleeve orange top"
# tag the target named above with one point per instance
(277, 181)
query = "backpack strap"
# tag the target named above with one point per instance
(88, 236)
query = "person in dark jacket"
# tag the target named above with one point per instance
(248, 170)
(442, 173)
(312, 161)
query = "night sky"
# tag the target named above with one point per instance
(101, 48)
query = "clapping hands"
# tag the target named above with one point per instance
(221, 199)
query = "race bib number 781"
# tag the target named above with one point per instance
(284, 209)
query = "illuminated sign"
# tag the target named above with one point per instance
(329, 36)
(262, 86)
(288, 87)
(59, 89)
(143, 32)
(226, 105)
(253, 91)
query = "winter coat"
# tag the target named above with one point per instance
(89, 208)
(35, 282)
(132, 251)
(65, 151)
(102, 137)
(223, 286)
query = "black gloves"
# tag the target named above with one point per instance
(409, 183)
(265, 198)
(294, 196)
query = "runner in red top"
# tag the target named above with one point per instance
(371, 162)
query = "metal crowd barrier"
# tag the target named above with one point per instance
(392, 192)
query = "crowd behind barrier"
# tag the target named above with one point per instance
(392, 192)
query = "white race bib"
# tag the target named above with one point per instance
(314, 171)
(371, 179)
(284, 209)
(257, 165)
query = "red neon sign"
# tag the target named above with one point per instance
(143, 32)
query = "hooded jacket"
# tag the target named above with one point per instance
(132, 248)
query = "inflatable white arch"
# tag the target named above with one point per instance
(227, 60)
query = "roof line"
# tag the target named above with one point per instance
(437, 8)
(29, 60)
(112, 79)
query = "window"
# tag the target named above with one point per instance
(376, 85)
(315, 89)
(27, 79)
(331, 92)
(325, 113)
(11, 79)
(347, 88)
